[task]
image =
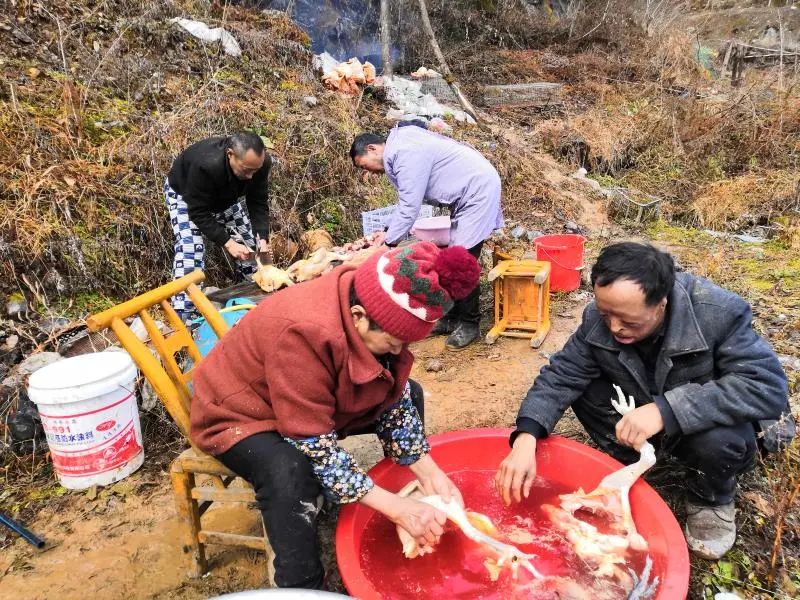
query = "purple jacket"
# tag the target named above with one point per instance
(429, 168)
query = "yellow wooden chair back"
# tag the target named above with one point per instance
(172, 385)
(169, 381)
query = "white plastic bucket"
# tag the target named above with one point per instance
(90, 417)
(433, 229)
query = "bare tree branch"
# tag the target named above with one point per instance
(448, 74)
(386, 39)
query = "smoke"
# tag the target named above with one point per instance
(343, 28)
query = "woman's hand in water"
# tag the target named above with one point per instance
(422, 521)
(435, 481)
(517, 472)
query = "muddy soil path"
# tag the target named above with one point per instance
(129, 545)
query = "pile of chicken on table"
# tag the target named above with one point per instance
(323, 257)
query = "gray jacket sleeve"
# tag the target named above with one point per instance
(562, 381)
(749, 384)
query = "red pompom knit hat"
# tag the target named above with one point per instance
(406, 290)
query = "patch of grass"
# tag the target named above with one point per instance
(228, 75)
(47, 493)
(606, 180)
(729, 574)
(81, 304)
(670, 234)
(765, 274)
(330, 216)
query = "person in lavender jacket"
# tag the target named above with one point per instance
(426, 167)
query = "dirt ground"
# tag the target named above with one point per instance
(129, 545)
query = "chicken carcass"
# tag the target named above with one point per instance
(604, 553)
(476, 527)
(346, 77)
(369, 72)
(358, 257)
(283, 250)
(567, 588)
(320, 262)
(611, 499)
(368, 241)
(270, 278)
(314, 239)
(423, 72)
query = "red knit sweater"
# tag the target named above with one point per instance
(296, 365)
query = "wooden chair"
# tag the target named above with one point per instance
(172, 386)
(521, 300)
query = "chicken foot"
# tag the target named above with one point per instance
(643, 587)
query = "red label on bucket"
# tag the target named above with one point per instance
(85, 443)
(115, 453)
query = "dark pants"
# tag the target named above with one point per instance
(713, 458)
(286, 493)
(469, 309)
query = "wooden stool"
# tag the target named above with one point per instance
(521, 300)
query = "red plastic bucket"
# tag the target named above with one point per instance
(474, 450)
(565, 254)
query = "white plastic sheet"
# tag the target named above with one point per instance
(325, 63)
(203, 32)
(412, 103)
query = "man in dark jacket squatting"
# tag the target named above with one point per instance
(708, 389)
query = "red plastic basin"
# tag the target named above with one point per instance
(559, 460)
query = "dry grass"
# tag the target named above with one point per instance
(733, 203)
(720, 156)
(89, 133)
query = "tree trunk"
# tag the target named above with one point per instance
(386, 39)
(448, 74)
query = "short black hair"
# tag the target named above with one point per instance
(242, 141)
(359, 147)
(644, 264)
(354, 301)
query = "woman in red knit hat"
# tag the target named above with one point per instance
(313, 364)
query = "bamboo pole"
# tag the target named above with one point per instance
(448, 74)
(386, 39)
